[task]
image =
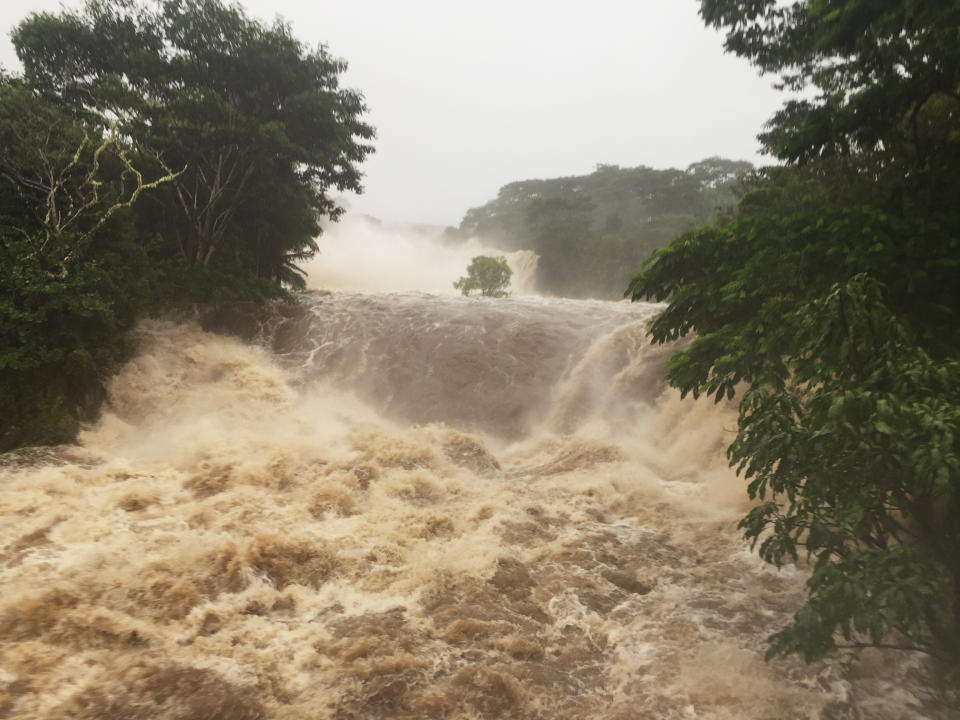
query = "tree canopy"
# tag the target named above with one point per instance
(591, 230)
(73, 275)
(830, 299)
(489, 275)
(255, 122)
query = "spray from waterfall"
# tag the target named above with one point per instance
(361, 253)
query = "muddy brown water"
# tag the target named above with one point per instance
(405, 506)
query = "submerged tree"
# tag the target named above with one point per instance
(831, 298)
(489, 275)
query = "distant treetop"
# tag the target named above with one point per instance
(591, 231)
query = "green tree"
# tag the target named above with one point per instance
(560, 232)
(72, 175)
(830, 298)
(489, 275)
(73, 275)
(257, 121)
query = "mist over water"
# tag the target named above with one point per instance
(361, 253)
(404, 506)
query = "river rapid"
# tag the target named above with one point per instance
(404, 505)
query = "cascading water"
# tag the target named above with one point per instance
(404, 506)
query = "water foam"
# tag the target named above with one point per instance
(247, 534)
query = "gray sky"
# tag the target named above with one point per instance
(468, 96)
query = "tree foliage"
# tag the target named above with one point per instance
(256, 123)
(489, 275)
(72, 273)
(589, 231)
(72, 176)
(830, 298)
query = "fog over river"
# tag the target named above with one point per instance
(405, 505)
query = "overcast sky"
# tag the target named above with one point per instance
(468, 96)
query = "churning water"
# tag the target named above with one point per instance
(404, 506)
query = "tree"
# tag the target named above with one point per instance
(830, 298)
(489, 275)
(62, 169)
(560, 233)
(73, 275)
(590, 231)
(257, 120)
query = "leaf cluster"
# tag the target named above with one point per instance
(855, 462)
(489, 275)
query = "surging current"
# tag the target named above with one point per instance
(404, 506)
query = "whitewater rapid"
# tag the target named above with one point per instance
(371, 505)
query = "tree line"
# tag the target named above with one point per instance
(591, 231)
(828, 302)
(149, 155)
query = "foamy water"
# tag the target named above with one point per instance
(404, 506)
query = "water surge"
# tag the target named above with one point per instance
(404, 506)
